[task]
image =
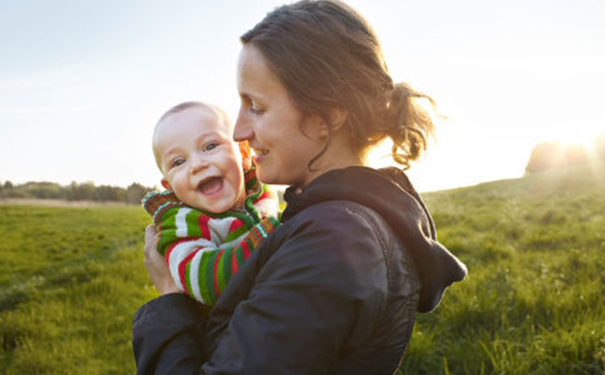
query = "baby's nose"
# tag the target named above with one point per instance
(198, 162)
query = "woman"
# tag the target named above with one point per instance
(335, 289)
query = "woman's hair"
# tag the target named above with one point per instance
(328, 57)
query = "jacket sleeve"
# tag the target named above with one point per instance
(202, 268)
(167, 336)
(316, 297)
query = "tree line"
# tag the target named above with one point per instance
(75, 191)
(544, 157)
(556, 155)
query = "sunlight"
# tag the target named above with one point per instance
(584, 135)
(584, 139)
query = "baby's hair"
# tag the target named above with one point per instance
(185, 105)
(216, 110)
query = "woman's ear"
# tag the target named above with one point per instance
(320, 127)
(338, 117)
(166, 184)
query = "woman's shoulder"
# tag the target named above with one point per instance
(341, 226)
(335, 214)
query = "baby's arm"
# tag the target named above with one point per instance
(203, 252)
(202, 268)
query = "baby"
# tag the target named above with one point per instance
(214, 212)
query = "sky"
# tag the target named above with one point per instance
(83, 82)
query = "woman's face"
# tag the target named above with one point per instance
(273, 126)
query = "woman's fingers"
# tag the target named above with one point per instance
(158, 271)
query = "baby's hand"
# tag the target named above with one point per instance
(158, 271)
(155, 200)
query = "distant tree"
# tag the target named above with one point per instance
(556, 155)
(136, 192)
(14, 191)
(575, 154)
(44, 190)
(105, 193)
(81, 192)
(545, 156)
(75, 191)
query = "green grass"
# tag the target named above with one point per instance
(533, 302)
(534, 299)
(71, 279)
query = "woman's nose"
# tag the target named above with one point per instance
(243, 130)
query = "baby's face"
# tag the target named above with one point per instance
(200, 161)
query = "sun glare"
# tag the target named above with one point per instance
(585, 136)
(584, 139)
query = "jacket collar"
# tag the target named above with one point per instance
(389, 192)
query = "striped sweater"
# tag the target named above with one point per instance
(204, 250)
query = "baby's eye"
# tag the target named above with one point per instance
(210, 146)
(176, 162)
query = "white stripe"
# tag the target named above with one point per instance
(180, 221)
(178, 255)
(261, 229)
(173, 262)
(194, 277)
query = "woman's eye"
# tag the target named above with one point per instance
(257, 110)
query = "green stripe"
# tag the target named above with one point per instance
(239, 256)
(188, 277)
(167, 237)
(226, 266)
(236, 233)
(193, 229)
(203, 277)
(222, 277)
(210, 277)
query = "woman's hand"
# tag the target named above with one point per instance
(158, 271)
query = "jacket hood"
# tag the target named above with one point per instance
(389, 192)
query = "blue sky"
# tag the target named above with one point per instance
(83, 82)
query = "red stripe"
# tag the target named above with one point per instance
(264, 195)
(245, 250)
(173, 245)
(203, 225)
(234, 265)
(236, 224)
(214, 279)
(183, 268)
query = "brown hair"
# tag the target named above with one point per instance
(327, 56)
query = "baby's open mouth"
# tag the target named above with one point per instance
(211, 185)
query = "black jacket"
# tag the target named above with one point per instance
(334, 290)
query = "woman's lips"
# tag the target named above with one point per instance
(259, 154)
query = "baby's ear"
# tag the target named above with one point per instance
(244, 149)
(166, 184)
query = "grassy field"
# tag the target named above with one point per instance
(533, 303)
(70, 281)
(534, 299)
